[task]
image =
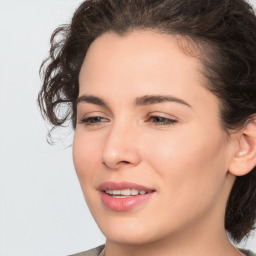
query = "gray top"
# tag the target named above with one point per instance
(96, 251)
(247, 252)
(93, 252)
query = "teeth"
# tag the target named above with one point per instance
(134, 192)
(116, 192)
(125, 192)
(110, 192)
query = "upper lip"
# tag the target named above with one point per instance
(110, 185)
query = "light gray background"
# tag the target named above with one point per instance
(42, 210)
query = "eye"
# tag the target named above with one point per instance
(94, 120)
(160, 120)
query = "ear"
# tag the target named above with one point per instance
(244, 158)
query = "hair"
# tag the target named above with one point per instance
(224, 31)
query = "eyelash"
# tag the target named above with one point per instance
(155, 120)
(161, 121)
(90, 121)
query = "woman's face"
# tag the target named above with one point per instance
(147, 124)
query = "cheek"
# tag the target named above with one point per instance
(190, 161)
(85, 156)
(191, 173)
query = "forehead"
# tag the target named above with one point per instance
(138, 56)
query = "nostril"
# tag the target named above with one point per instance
(124, 162)
(115, 165)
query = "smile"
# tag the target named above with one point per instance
(125, 192)
(124, 196)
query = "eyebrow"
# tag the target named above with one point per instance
(91, 99)
(154, 99)
(139, 101)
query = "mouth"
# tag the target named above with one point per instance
(124, 196)
(126, 192)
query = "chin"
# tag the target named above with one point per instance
(125, 237)
(132, 231)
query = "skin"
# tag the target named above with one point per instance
(186, 161)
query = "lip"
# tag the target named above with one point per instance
(122, 185)
(127, 203)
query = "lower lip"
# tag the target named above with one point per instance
(123, 204)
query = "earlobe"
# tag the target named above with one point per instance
(244, 159)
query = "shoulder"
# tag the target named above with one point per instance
(247, 252)
(93, 252)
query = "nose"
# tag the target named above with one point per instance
(120, 148)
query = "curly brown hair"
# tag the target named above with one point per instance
(224, 31)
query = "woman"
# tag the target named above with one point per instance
(162, 96)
